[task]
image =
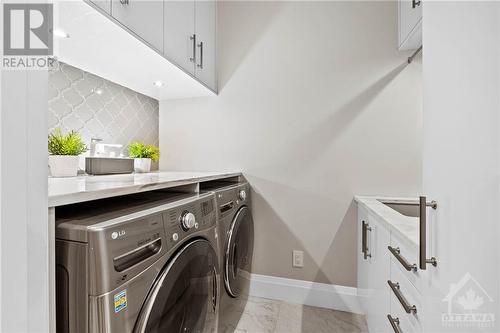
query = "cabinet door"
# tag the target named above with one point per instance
(205, 29)
(409, 21)
(363, 262)
(378, 302)
(105, 5)
(143, 17)
(179, 37)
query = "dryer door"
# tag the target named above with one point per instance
(238, 253)
(184, 297)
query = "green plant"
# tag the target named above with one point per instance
(140, 150)
(69, 144)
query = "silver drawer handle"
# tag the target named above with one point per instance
(200, 65)
(423, 260)
(394, 323)
(364, 242)
(397, 253)
(192, 38)
(395, 288)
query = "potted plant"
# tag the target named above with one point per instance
(143, 155)
(63, 153)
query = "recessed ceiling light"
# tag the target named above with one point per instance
(60, 33)
(98, 91)
(158, 83)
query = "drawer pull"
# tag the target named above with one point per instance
(394, 323)
(423, 260)
(395, 288)
(364, 241)
(397, 253)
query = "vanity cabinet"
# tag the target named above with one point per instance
(373, 271)
(190, 38)
(143, 17)
(389, 283)
(409, 24)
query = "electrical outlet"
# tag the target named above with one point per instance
(298, 258)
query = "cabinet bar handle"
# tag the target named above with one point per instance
(200, 65)
(394, 323)
(192, 38)
(364, 243)
(415, 3)
(423, 260)
(397, 291)
(124, 2)
(397, 253)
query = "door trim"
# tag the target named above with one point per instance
(146, 308)
(227, 250)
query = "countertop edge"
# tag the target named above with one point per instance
(82, 196)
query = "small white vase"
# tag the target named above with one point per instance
(63, 165)
(142, 164)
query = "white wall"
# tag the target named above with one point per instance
(316, 104)
(24, 281)
(461, 153)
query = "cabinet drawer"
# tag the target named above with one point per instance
(410, 255)
(410, 295)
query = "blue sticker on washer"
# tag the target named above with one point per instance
(120, 301)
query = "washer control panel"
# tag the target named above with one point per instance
(182, 221)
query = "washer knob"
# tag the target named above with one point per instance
(188, 220)
(242, 195)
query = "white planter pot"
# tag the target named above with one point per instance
(142, 164)
(63, 165)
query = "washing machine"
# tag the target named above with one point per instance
(236, 231)
(144, 263)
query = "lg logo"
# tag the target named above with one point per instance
(27, 29)
(116, 234)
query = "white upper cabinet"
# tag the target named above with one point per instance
(179, 35)
(409, 24)
(205, 29)
(143, 17)
(105, 5)
(190, 38)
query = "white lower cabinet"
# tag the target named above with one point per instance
(374, 271)
(389, 285)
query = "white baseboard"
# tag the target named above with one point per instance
(304, 292)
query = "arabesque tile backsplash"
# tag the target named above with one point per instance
(98, 108)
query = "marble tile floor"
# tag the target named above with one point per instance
(262, 315)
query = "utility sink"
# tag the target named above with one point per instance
(405, 208)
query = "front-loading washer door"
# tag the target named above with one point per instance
(238, 253)
(184, 297)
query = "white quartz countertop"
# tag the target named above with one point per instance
(63, 191)
(406, 227)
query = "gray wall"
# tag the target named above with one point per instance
(116, 115)
(316, 105)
